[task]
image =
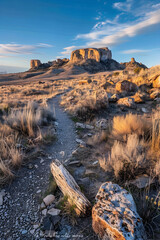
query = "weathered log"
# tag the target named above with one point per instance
(70, 188)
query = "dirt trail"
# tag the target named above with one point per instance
(19, 211)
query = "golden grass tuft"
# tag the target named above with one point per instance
(131, 123)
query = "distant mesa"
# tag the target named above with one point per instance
(91, 60)
(35, 63)
(97, 54)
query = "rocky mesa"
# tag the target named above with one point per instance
(97, 54)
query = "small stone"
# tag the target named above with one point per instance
(36, 166)
(44, 212)
(42, 206)
(49, 199)
(42, 160)
(90, 127)
(54, 211)
(39, 191)
(32, 231)
(62, 153)
(24, 232)
(35, 226)
(80, 125)
(30, 166)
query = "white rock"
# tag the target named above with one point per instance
(42, 206)
(90, 127)
(114, 216)
(44, 212)
(32, 231)
(80, 125)
(54, 211)
(49, 199)
(39, 191)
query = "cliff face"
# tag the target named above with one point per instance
(98, 54)
(35, 63)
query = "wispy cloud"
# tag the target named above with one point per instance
(16, 49)
(134, 51)
(68, 50)
(115, 31)
(123, 6)
(116, 34)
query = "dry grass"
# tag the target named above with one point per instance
(129, 124)
(85, 101)
(156, 131)
(128, 159)
(27, 120)
(10, 155)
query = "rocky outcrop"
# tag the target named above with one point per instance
(114, 216)
(97, 54)
(35, 63)
(133, 64)
(127, 102)
(156, 82)
(126, 86)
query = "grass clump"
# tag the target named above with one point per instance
(29, 119)
(129, 124)
(68, 209)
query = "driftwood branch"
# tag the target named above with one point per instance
(69, 187)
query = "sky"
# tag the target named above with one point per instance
(50, 29)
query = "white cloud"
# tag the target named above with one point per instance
(123, 6)
(14, 49)
(113, 32)
(68, 50)
(121, 32)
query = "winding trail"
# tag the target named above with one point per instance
(19, 211)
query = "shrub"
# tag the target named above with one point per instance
(27, 120)
(128, 159)
(10, 155)
(129, 124)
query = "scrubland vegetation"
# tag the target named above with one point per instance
(24, 123)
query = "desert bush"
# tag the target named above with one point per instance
(85, 102)
(156, 131)
(10, 155)
(148, 207)
(28, 119)
(129, 124)
(128, 159)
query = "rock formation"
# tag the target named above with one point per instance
(133, 64)
(156, 82)
(97, 54)
(35, 63)
(126, 86)
(114, 216)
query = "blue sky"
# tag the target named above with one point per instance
(49, 29)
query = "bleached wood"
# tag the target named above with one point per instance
(69, 187)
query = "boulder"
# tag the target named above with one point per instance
(98, 54)
(126, 86)
(35, 63)
(126, 101)
(156, 82)
(114, 216)
(102, 124)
